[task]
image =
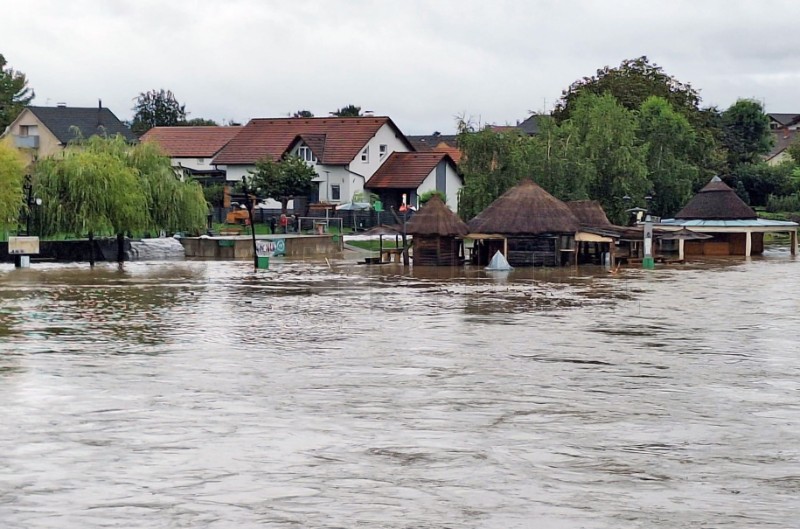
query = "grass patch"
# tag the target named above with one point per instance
(374, 245)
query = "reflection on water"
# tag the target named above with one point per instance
(202, 394)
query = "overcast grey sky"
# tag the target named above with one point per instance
(422, 62)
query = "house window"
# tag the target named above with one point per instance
(383, 149)
(336, 193)
(305, 154)
(28, 130)
(365, 155)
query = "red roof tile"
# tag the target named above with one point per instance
(406, 170)
(343, 138)
(191, 142)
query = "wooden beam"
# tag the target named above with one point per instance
(748, 244)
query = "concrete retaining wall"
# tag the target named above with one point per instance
(241, 247)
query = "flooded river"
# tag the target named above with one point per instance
(202, 394)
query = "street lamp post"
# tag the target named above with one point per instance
(248, 201)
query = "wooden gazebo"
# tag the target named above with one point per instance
(735, 228)
(596, 235)
(535, 227)
(438, 235)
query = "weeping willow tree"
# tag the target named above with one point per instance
(12, 169)
(173, 205)
(104, 186)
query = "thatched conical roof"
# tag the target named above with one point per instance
(590, 213)
(525, 209)
(435, 218)
(716, 201)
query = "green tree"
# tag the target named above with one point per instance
(746, 132)
(304, 114)
(105, 186)
(157, 108)
(760, 180)
(794, 150)
(283, 180)
(200, 122)
(427, 195)
(607, 132)
(631, 83)
(12, 169)
(492, 163)
(668, 140)
(347, 111)
(173, 205)
(14, 93)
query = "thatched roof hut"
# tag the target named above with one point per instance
(590, 213)
(435, 229)
(435, 218)
(525, 209)
(716, 201)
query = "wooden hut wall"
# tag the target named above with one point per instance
(724, 244)
(533, 251)
(435, 251)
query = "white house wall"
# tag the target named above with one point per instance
(386, 135)
(199, 164)
(452, 185)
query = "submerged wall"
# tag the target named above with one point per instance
(241, 247)
(105, 249)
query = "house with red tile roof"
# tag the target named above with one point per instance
(414, 173)
(192, 149)
(345, 152)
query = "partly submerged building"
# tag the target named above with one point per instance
(438, 234)
(734, 226)
(528, 224)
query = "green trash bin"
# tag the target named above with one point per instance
(262, 262)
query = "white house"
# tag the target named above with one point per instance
(191, 149)
(344, 151)
(414, 173)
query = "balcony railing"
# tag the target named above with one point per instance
(26, 142)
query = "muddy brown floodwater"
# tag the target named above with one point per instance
(202, 394)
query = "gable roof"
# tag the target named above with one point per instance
(716, 201)
(437, 143)
(525, 209)
(90, 121)
(191, 142)
(785, 120)
(531, 125)
(783, 138)
(589, 213)
(430, 142)
(406, 170)
(344, 138)
(435, 218)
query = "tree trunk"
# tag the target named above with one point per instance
(91, 249)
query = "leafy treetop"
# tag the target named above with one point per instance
(283, 180)
(157, 108)
(14, 94)
(348, 111)
(631, 83)
(303, 114)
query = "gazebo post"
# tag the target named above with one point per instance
(681, 243)
(748, 243)
(793, 242)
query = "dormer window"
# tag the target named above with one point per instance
(305, 154)
(383, 149)
(365, 155)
